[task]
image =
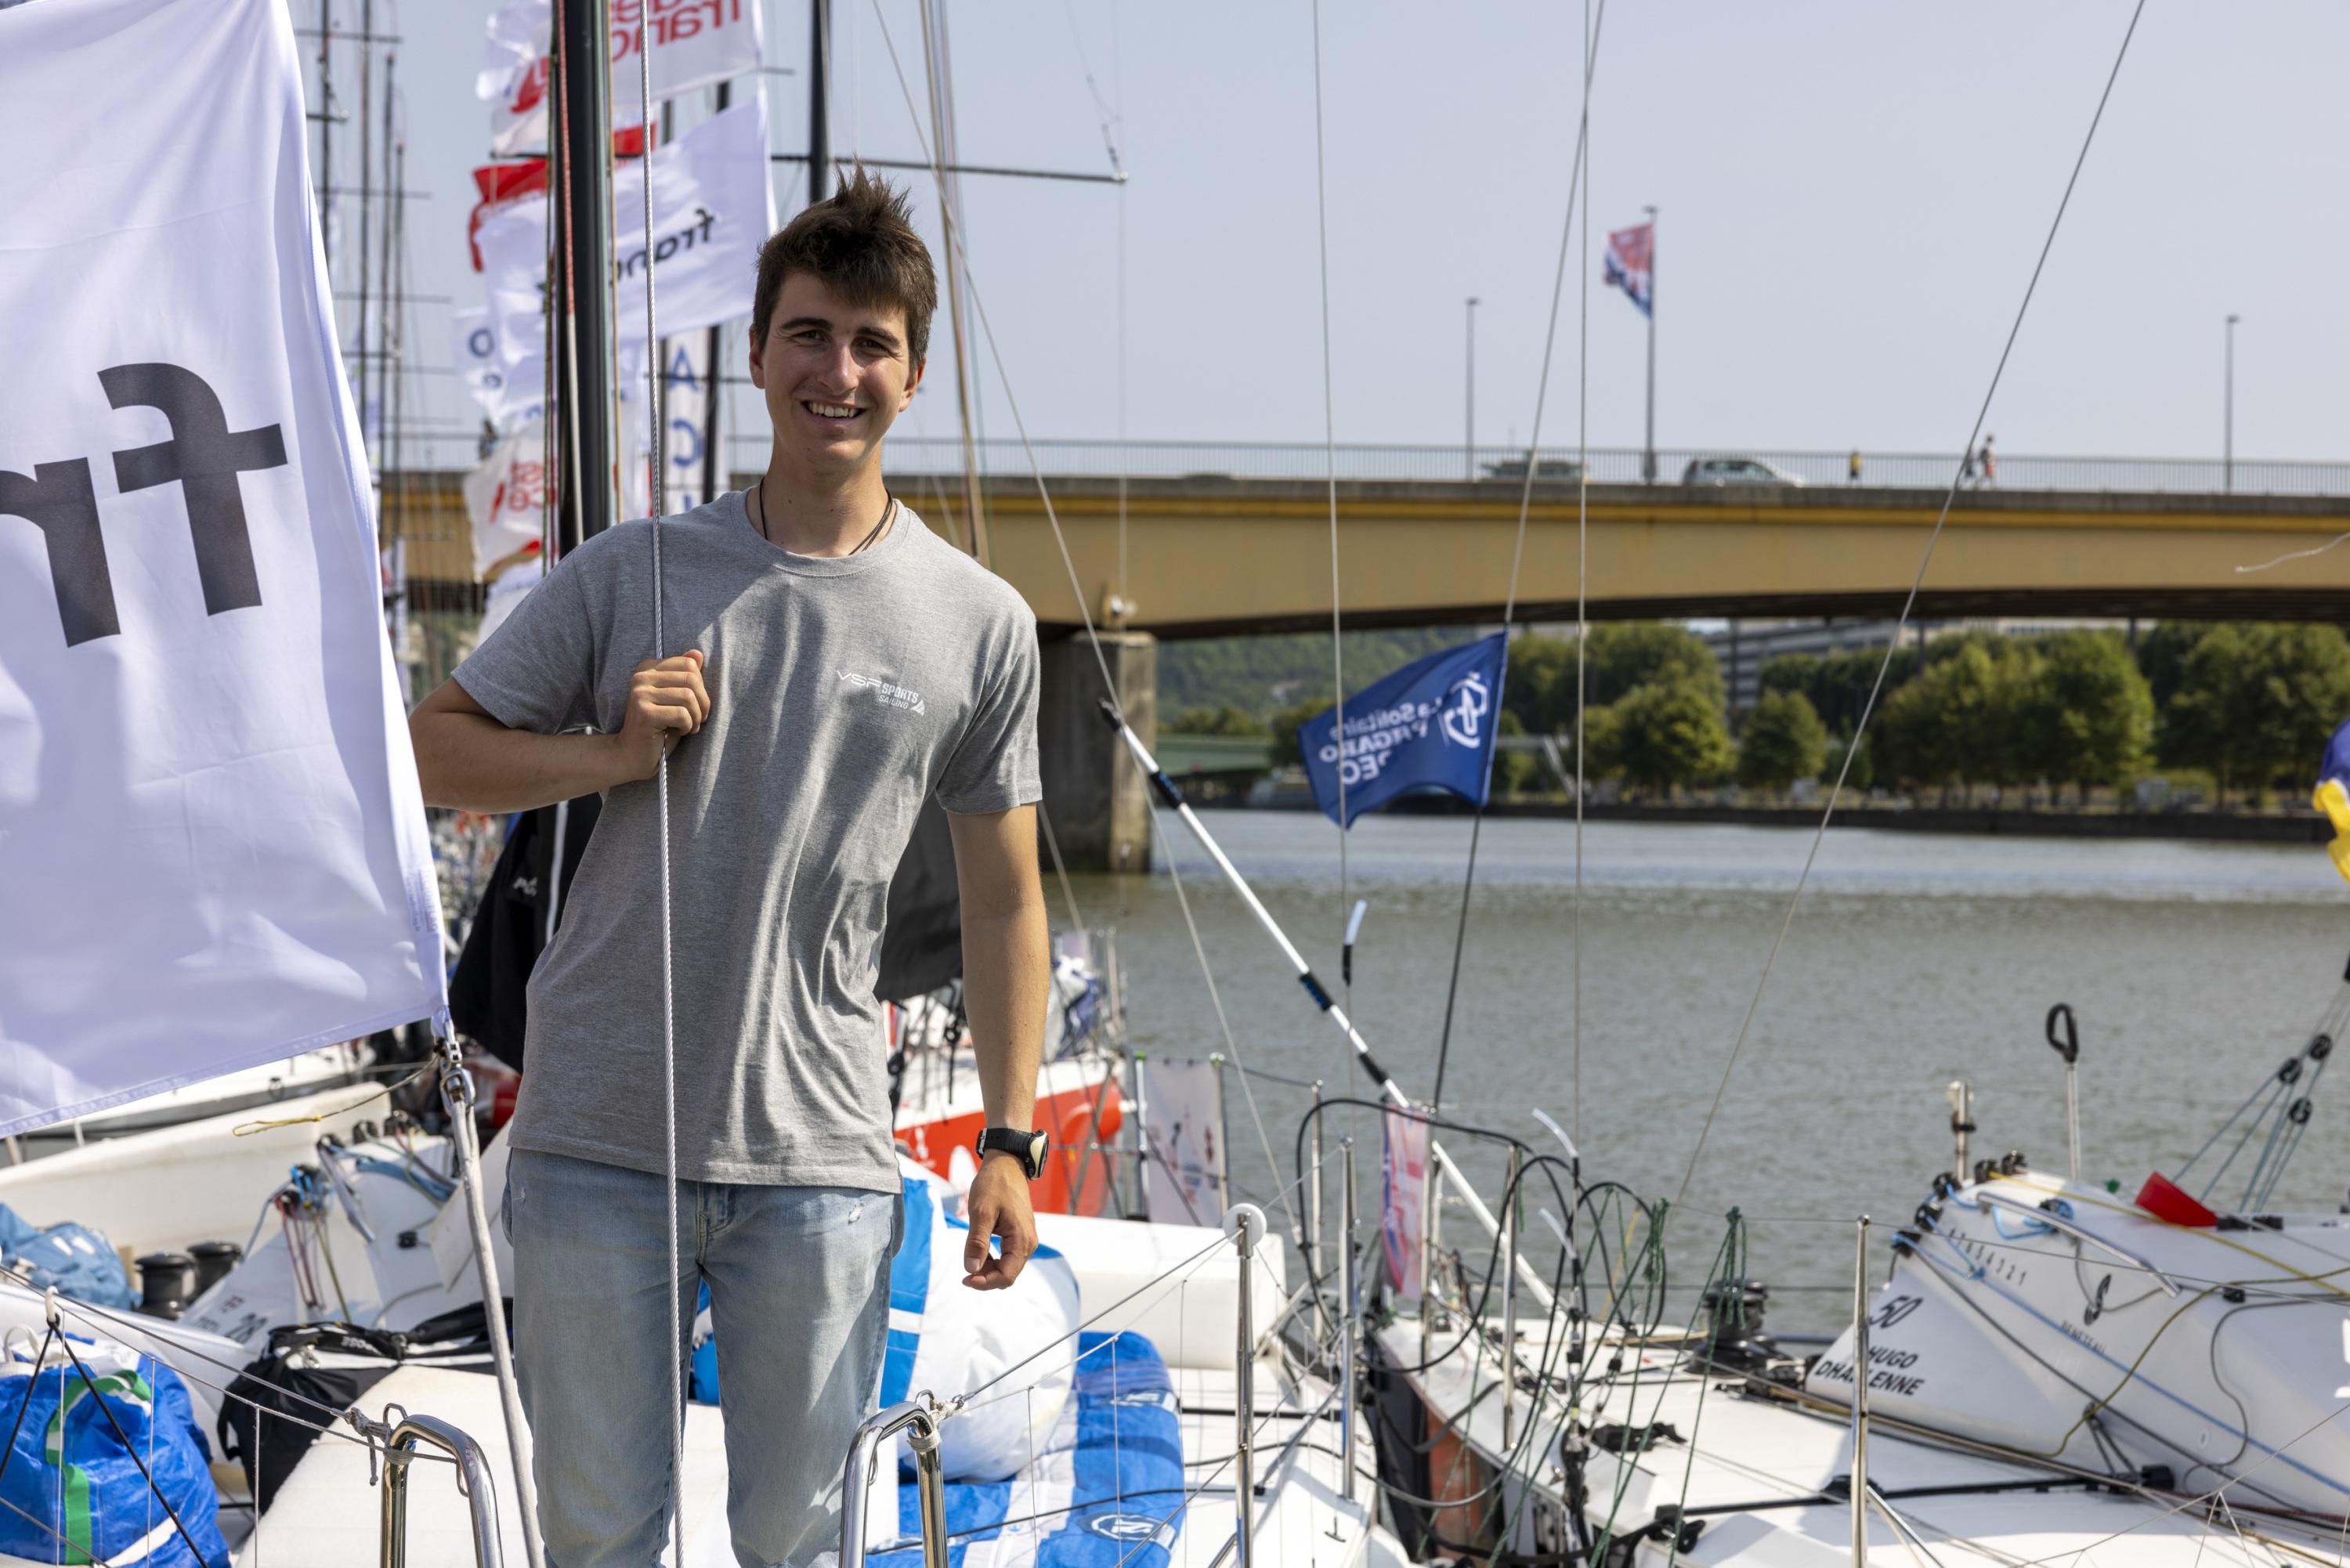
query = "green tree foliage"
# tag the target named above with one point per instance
(1266, 674)
(1861, 775)
(1620, 656)
(1785, 741)
(2255, 704)
(1956, 721)
(1837, 684)
(1513, 772)
(1285, 727)
(2086, 714)
(1540, 690)
(1668, 734)
(1228, 719)
(2162, 651)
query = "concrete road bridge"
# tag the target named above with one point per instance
(1240, 542)
(1180, 540)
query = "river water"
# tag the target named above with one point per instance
(1912, 960)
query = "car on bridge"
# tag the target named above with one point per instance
(1735, 470)
(1561, 467)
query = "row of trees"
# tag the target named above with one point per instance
(2249, 705)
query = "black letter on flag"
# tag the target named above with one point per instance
(61, 504)
(204, 456)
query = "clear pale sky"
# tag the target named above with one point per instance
(1852, 196)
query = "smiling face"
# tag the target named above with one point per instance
(835, 375)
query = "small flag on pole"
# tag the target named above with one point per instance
(1630, 253)
(2333, 796)
(1428, 725)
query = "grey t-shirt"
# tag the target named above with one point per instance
(843, 691)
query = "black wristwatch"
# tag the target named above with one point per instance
(1027, 1146)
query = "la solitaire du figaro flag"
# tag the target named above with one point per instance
(1428, 725)
(213, 849)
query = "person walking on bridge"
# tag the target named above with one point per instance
(831, 662)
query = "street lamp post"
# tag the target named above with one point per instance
(2228, 427)
(1469, 445)
(1648, 448)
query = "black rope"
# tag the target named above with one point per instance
(39, 1357)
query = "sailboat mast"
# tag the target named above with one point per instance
(714, 473)
(819, 165)
(581, 269)
(365, 118)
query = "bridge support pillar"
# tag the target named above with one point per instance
(1098, 800)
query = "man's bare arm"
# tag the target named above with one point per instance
(1007, 979)
(466, 759)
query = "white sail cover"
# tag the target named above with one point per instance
(213, 849)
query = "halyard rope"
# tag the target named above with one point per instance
(1908, 603)
(653, 372)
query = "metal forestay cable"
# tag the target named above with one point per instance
(1908, 603)
(1215, 996)
(1582, 583)
(1576, 186)
(1330, 466)
(1068, 564)
(670, 1350)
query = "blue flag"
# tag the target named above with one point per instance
(2332, 797)
(1428, 725)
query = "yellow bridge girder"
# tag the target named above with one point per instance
(1211, 555)
(1214, 555)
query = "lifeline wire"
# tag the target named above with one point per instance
(1575, 184)
(1908, 603)
(661, 787)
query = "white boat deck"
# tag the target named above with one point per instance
(325, 1515)
(1750, 1469)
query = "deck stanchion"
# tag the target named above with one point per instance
(1245, 1223)
(1962, 1121)
(1429, 1191)
(475, 1476)
(1312, 1220)
(1860, 1396)
(1348, 1319)
(920, 1424)
(1509, 1265)
(1142, 1144)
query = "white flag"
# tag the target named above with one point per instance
(212, 851)
(696, 42)
(505, 497)
(713, 206)
(510, 399)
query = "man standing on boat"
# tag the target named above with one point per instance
(830, 663)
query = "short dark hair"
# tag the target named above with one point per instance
(861, 244)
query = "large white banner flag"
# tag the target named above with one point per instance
(713, 206)
(696, 42)
(212, 851)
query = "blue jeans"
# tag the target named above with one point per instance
(799, 1297)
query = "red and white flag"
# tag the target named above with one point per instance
(696, 42)
(1631, 264)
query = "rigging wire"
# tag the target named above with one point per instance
(1582, 585)
(660, 789)
(1909, 605)
(1330, 466)
(1093, 638)
(1577, 184)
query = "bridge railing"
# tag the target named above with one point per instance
(915, 457)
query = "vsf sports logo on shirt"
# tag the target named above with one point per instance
(889, 691)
